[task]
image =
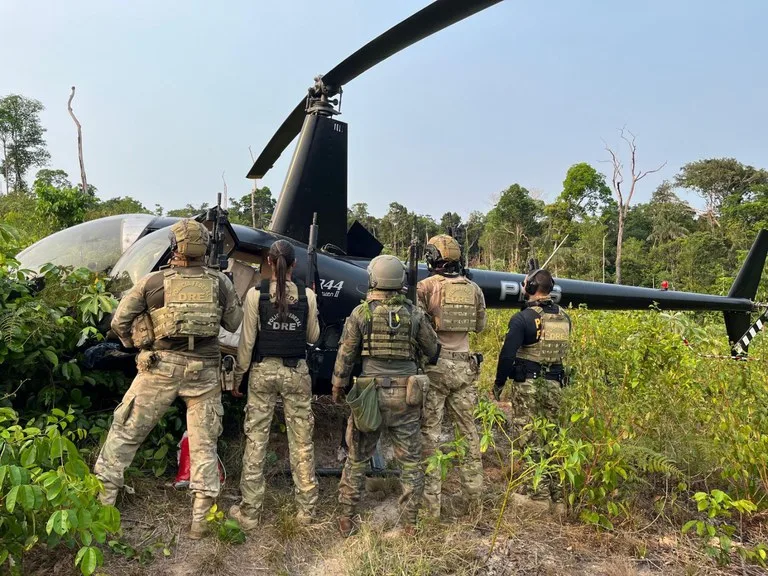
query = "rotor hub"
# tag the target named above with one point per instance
(319, 101)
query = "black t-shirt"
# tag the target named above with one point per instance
(522, 332)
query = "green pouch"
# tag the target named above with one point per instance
(363, 400)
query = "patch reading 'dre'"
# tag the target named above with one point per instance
(189, 290)
(290, 324)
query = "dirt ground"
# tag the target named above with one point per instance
(528, 538)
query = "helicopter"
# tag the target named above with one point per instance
(311, 213)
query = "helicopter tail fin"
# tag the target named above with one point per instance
(745, 286)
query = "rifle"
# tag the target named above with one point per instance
(217, 258)
(313, 275)
(413, 266)
(460, 234)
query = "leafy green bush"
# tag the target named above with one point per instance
(649, 422)
(48, 493)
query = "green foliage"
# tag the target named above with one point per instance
(45, 326)
(584, 191)
(717, 535)
(226, 529)
(511, 226)
(447, 456)
(48, 493)
(115, 206)
(58, 200)
(21, 138)
(189, 210)
(720, 181)
(263, 204)
(648, 422)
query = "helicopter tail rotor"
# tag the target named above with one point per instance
(747, 281)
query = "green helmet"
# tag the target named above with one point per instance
(189, 238)
(386, 272)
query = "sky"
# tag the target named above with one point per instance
(171, 94)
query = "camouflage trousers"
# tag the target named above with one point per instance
(403, 424)
(162, 377)
(451, 390)
(268, 380)
(535, 399)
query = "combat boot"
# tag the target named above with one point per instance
(200, 507)
(108, 495)
(246, 522)
(346, 526)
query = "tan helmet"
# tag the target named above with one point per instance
(442, 248)
(189, 238)
(386, 272)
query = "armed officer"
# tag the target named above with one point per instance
(390, 334)
(455, 305)
(182, 307)
(280, 318)
(532, 355)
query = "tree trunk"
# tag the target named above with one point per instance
(5, 168)
(619, 242)
(79, 142)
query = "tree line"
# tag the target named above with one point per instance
(601, 232)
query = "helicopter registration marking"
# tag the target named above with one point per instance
(331, 288)
(509, 288)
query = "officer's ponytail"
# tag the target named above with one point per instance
(282, 257)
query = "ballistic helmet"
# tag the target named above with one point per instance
(442, 248)
(386, 272)
(189, 238)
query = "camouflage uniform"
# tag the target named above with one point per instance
(169, 370)
(401, 420)
(452, 379)
(269, 379)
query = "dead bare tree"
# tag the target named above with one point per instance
(83, 179)
(226, 194)
(253, 195)
(624, 197)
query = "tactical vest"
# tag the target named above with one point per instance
(281, 337)
(553, 331)
(458, 309)
(389, 332)
(191, 305)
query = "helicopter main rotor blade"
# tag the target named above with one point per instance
(288, 130)
(438, 15)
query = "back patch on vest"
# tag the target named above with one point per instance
(181, 290)
(456, 293)
(291, 322)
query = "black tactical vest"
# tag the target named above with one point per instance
(281, 338)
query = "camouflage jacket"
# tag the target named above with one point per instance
(350, 346)
(148, 294)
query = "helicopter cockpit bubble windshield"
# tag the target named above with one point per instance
(96, 244)
(139, 260)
